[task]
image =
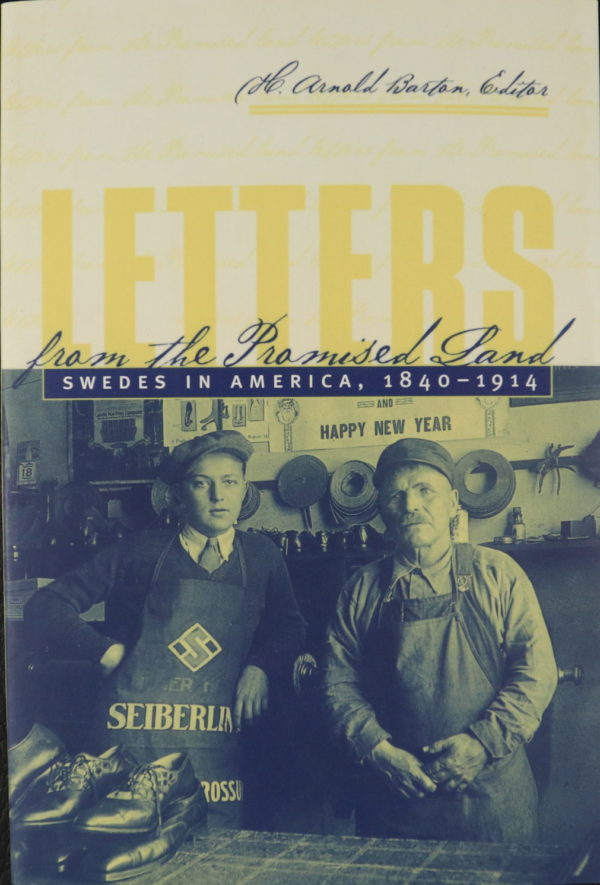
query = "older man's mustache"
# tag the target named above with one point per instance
(409, 522)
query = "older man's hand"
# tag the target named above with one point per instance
(251, 696)
(403, 769)
(458, 760)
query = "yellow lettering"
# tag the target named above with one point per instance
(339, 264)
(199, 206)
(149, 716)
(164, 717)
(223, 791)
(427, 228)
(500, 208)
(178, 713)
(123, 268)
(226, 720)
(117, 715)
(272, 204)
(427, 253)
(210, 724)
(57, 268)
(132, 713)
(197, 717)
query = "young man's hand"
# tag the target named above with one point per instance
(251, 696)
(111, 658)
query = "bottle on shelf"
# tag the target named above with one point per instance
(518, 525)
(17, 568)
(89, 532)
(50, 531)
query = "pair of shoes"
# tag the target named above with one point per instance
(74, 785)
(148, 815)
(152, 791)
(125, 857)
(29, 761)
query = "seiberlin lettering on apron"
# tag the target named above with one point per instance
(435, 668)
(175, 689)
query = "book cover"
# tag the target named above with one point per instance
(326, 228)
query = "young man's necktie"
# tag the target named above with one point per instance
(210, 558)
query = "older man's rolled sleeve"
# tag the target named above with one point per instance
(530, 675)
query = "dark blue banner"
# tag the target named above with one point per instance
(306, 381)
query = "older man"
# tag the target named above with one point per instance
(197, 621)
(438, 669)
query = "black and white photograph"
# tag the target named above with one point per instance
(209, 635)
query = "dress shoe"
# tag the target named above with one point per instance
(33, 850)
(112, 860)
(18, 858)
(74, 785)
(67, 857)
(152, 790)
(30, 759)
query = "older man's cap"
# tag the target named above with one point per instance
(175, 465)
(419, 451)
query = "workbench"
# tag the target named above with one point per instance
(237, 858)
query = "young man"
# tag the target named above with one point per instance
(197, 621)
(438, 668)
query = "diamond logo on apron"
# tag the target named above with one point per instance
(195, 647)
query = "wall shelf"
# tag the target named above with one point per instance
(544, 546)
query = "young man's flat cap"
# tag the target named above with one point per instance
(175, 465)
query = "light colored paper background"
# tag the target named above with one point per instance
(149, 103)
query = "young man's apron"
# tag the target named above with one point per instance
(175, 689)
(436, 668)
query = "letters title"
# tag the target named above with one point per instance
(512, 220)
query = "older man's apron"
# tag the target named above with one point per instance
(175, 689)
(438, 667)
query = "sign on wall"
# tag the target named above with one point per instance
(184, 419)
(304, 425)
